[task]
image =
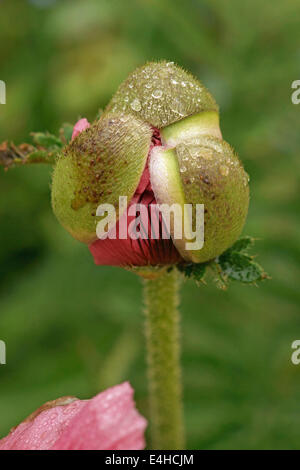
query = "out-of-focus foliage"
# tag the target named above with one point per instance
(74, 328)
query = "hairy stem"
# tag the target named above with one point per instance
(162, 336)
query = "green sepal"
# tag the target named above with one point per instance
(65, 133)
(46, 140)
(195, 271)
(161, 93)
(103, 162)
(204, 170)
(212, 174)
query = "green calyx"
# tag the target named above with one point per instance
(161, 93)
(102, 163)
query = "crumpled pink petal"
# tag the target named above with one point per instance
(140, 252)
(109, 421)
(80, 126)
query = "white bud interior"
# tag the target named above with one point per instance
(205, 123)
(168, 190)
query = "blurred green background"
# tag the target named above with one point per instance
(74, 328)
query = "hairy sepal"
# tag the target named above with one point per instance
(212, 174)
(162, 93)
(203, 171)
(102, 163)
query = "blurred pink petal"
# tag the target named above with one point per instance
(109, 421)
(80, 126)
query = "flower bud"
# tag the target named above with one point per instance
(158, 142)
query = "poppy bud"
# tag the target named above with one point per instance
(158, 142)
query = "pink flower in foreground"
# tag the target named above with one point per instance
(109, 421)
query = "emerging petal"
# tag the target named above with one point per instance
(142, 251)
(108, 421)
(151, 248)
(80, 126)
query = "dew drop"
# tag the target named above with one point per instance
(157, 94)
(246, 179)
(136, 105)
(194, 151)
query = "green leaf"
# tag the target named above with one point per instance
(45, 148)
(243, 244)
(234, 264)
(46, 140)
(240, 267)
(66, 132)
(194, 271)
(24, 154)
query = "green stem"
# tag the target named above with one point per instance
(162, 335)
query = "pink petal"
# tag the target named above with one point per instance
(108, 421)
(80, 126)
(141, 252)
(132, 252)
